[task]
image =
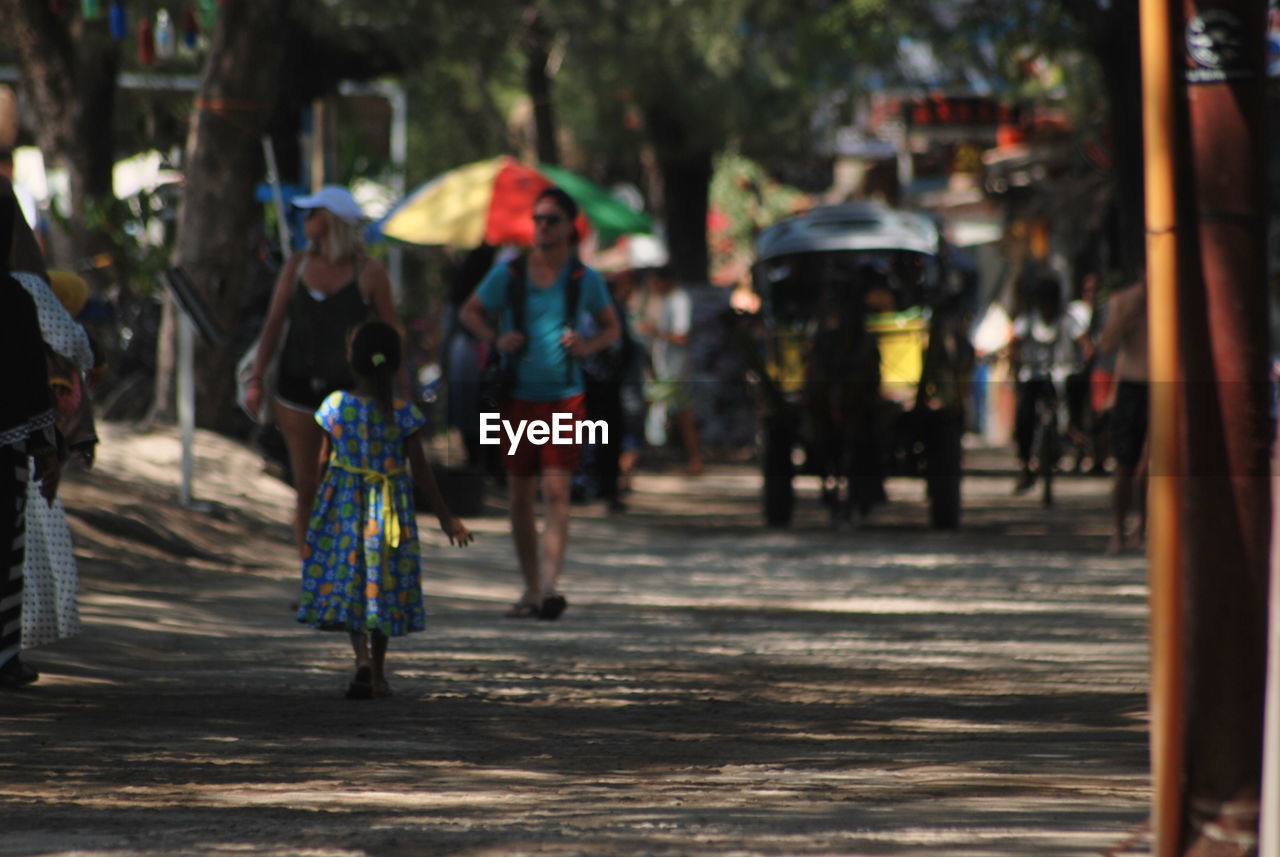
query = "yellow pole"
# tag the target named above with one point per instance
(1168, 679)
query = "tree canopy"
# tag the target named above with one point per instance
(647, 93)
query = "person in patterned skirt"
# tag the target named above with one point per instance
(26, 429)
(51, 580)
(361, 566)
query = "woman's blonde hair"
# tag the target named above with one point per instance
(344, 239)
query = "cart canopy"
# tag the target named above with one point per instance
(851, 226)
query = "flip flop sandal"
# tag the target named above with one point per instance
(382, 690)
(552, 607)
(361, 686)
(523, 610)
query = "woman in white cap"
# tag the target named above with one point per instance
(323, 292)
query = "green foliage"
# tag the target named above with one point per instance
(133, 236)
(716, 70)
(457, 116)
(745, 199)
(741, 73)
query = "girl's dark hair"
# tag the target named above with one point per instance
(375, 354)
(565, 203)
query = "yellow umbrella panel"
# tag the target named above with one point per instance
(451, 209)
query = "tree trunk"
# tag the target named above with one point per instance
(537, 53)
(686, 187)
(69, 71)
(223, 165)
(1119, 55)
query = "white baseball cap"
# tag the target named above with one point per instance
(335, 199)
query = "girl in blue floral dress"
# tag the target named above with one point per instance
(361, 567)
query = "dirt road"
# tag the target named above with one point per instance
(714, 689)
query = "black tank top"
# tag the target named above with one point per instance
(316, 348)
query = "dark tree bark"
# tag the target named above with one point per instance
(265, 64)
(219, 213)
(686, 184)
(686, 170)
(69, 70)
(1113, 39)
(537, 53)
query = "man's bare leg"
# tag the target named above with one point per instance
(1121, 499)
(627, 463)
(522, 492)
(1139, 537)
(556, 486)
(689, 434)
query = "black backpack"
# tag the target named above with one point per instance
(498, 378)
(609, 365)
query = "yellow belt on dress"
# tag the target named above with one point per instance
(391, 515)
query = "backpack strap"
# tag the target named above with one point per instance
(516, 286)
(572, 293)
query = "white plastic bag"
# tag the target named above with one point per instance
(244, 374)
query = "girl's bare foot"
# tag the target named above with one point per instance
(1115, 545)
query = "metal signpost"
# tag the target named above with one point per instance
(193, 315)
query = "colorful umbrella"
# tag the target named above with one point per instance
(492, 202)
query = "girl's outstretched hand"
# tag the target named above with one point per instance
(456, 531)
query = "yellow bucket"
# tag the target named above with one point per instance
(902, 338)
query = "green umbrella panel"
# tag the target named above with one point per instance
(610, 217)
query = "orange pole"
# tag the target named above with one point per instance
(1168, 679)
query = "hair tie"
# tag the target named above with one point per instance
(378, 358)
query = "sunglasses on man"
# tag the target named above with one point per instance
(548, 219)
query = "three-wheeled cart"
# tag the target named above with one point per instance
(861, 358)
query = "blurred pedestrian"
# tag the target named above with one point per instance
(362, 567)
(1044, 353)
(667, 322)
(528, 310)
(1125, 334)
(605, 373)
(51, 580)
(27, 430)
(462, 357)
(322, 293)
(1076, 385)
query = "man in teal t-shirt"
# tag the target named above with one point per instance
(547, 353)
(544, 369)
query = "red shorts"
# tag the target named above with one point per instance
(531, 459)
